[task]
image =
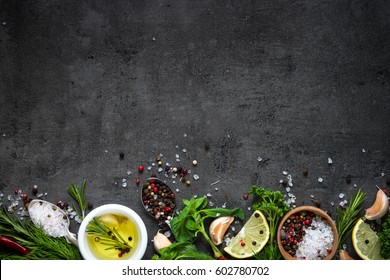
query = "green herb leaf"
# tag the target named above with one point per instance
(181, 251)
(80, 198)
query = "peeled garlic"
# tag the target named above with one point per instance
(379, 208)
(160, 241)
(218, 228)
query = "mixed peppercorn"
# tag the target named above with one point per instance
(293, 230)
(158, 199)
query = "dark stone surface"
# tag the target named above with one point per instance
(92, 89)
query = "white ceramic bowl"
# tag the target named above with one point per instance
(119, 210)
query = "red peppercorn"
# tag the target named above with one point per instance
(242, 243)
(137, 182)
(140, 169)
(167, 209)
(245, 196)
(172, 195)
(152, 185)
(155, 189)
(185, 171)
(24, 196)
(120, 255)
(16, 191)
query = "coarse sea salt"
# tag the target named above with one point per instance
(317, 241)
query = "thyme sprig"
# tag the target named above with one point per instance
(346, 218)
(79, 197)
(107, 236)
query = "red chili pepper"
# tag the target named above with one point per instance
(221, 258)
(11, 244)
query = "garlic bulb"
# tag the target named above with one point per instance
(218, 228)
(160, 241)
(379, 208)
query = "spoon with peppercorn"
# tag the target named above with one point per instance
(51, 219)
(158, 200)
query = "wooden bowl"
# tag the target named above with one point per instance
(316, 211)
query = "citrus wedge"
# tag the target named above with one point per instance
(251, 239)
(365, 241)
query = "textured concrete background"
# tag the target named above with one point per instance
(292, 82)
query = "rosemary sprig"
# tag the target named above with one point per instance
(107, 236)
(80, 198)
(346, 218)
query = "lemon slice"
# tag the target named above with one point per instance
(251, 239)
(365, 241)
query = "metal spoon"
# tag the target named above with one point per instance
(158, 200)
(52, 219)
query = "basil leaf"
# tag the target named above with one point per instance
(219, 212)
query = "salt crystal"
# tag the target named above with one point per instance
(184, 150)
(320, 179)
(178, 160)
(288, 189)
(316, 242)
(128, 172)
(160, 169)
(259, 159)
(177, 156)
(312, 195)
(208, 194)
(341, 195)
(249, 208)
(211, 204)
(224, 205)
(383, 174)
(281, 181)
(124, 185)
(332, 203)
(177, 190)
(216, 189)
(196, 177)
(123, 180)
(330, 161)
(284, 172)
(363, 150)
(149, 168)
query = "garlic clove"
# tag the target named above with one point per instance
(343, 255)
(218, 228)
(379, 208)
(160, 241)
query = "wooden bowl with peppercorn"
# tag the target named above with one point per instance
(307, 233)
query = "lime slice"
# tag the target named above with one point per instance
(365, 241)
(251, 239)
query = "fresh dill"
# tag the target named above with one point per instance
(40, 245)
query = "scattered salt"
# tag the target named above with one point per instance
(196, 177)
(320, 179)
(341, 195)
(330, 161)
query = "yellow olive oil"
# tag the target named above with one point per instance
(124, 227)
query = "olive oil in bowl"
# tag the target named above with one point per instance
(119, 240)
(112, 232)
